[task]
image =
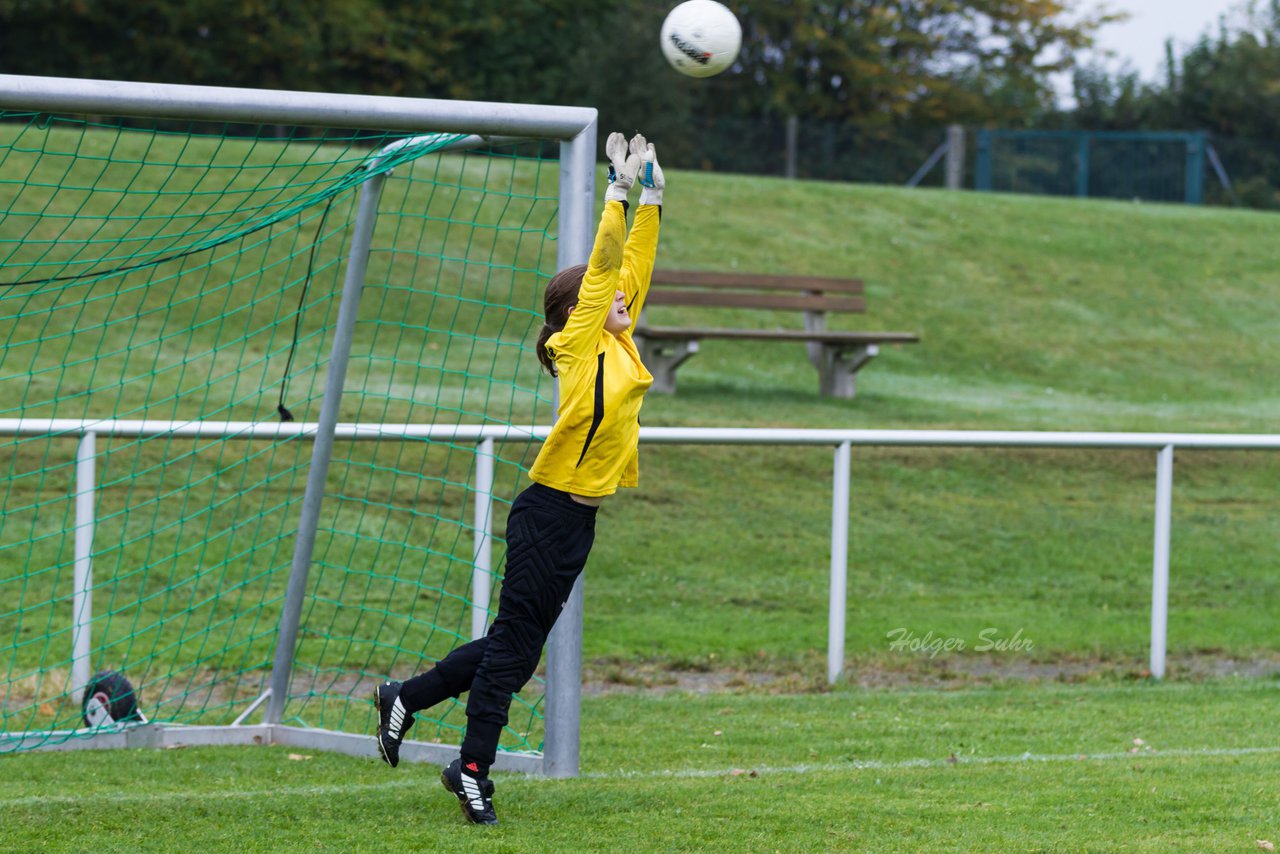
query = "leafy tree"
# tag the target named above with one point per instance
(853, 71)
(930, 60)
(1110, 102)
(866, 61)
(1230, 84)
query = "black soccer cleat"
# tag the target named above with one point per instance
(393, 721)
(475, 794)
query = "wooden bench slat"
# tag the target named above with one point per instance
(706, 279)
(680, 333)
(730, 299)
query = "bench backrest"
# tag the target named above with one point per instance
(753, 290)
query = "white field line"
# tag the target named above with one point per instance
(417, 780)
(877, 765)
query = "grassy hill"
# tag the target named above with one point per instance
(1034, 313)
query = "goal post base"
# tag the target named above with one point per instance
(156, 735)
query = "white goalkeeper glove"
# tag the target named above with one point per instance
(652, 181)
(623, 167)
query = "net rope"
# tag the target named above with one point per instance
(193, 273)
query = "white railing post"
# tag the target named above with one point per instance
(482, 551)
(1160, 565)
(82, 588)
(839, 562)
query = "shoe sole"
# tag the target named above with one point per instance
(377, 704)
(462, 800)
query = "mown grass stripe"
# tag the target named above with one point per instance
(681, 774)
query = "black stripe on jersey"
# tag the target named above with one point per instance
(597, 414)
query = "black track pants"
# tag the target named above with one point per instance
(549, 536)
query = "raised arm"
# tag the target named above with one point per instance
(600, 283)
(641, 248)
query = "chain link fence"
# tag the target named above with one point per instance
(1152, 166)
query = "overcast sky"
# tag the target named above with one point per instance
(1140, 40)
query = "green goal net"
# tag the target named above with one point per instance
(166, 289)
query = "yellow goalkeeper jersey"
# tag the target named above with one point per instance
(594, 445)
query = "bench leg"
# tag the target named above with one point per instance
(837, 367)
(662, 358)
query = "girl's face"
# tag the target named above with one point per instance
(618, 319)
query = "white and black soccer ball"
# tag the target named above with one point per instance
(701, 38)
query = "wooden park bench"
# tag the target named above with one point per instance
(837, 355)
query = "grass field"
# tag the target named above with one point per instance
(1113, 767)
(708, 725)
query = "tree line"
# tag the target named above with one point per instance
(888, 68)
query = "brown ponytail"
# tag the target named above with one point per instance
(561, 295)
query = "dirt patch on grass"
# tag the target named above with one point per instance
(613, 677)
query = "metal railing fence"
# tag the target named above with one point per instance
(485, 437)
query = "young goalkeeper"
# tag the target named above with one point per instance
(590, 311)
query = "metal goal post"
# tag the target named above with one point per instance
(477, 123)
